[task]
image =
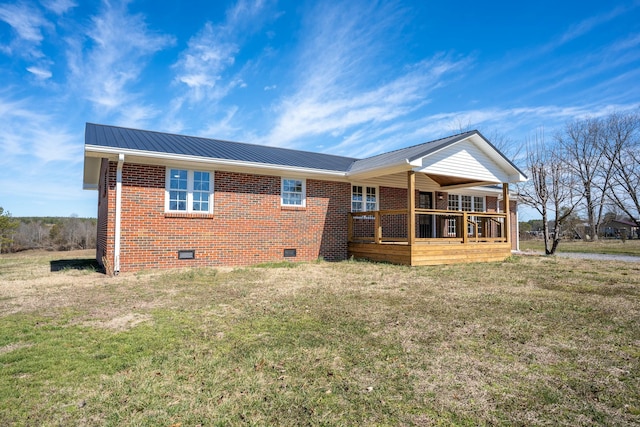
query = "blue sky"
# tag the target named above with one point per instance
(352, 78)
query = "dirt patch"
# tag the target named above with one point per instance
(121, 323)
(13, 347)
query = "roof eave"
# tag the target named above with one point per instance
(405, 165)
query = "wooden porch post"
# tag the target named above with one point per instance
(465, 224)
(505, 209)
(411, 207)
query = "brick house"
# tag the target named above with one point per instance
(168, 201)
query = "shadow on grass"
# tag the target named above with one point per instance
(75, 264)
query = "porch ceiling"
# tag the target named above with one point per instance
(429, 182)
(447, 181)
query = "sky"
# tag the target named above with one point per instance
(353, 78)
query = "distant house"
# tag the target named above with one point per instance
(169, 200)
(621, 228)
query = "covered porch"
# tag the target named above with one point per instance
(418, 236)
(422, 222)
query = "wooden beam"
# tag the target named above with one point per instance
(507, 220)
(411, 207)
(377, 237)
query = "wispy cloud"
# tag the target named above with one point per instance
(573, 32)
(212, 52)
(119, 47)
(59, 7)
(40, 73)
(585, 26)
(24, 131)
(340, 92)
(27, 23)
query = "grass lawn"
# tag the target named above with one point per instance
(603, 246)
(529, 341)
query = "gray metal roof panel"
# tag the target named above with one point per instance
(405, 154)
(134, 139)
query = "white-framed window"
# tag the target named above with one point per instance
(478, 204)
(453, 202)
(293, 192)
(363, 198)
(189, 191)
(459, 202)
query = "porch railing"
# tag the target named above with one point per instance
(432, 226)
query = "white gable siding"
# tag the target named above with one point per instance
(464, 160)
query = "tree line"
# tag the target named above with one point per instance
(590, 168)
(48, 233)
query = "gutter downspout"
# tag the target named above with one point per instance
(116, 245)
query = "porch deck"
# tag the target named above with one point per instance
(428, 237)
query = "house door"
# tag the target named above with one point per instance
(425, 222)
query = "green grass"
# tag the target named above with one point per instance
(529, 341)
(603, 246)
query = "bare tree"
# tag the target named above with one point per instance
(582, 142)
(623, 152)
(550, 189)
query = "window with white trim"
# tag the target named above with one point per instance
(189, 191)
(454, 202)
(457, 202)
(293, 192)
(363, 198)
(464, 203)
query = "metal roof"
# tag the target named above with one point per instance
(151, 142)
(158, 142)
(406, 154)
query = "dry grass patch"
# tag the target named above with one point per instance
(533, 340)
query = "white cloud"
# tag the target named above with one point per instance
(40, 73)
(121, 45)
(26, 132)
(202, 64)
(28, 23)
(342, 88)
(59, 7)
(212, 52)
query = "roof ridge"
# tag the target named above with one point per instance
(422, 143)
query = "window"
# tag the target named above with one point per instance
(189, 191)
(464, 203)
(293, 192)
(454, 202)
(478, 204)
(364, 199)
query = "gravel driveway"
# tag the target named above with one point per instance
(589, 256)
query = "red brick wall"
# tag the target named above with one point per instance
(247, 226)
(492, 203)
(106, 203)
(394, 226)
(513, 206)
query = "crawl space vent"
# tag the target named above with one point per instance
(191, 254)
